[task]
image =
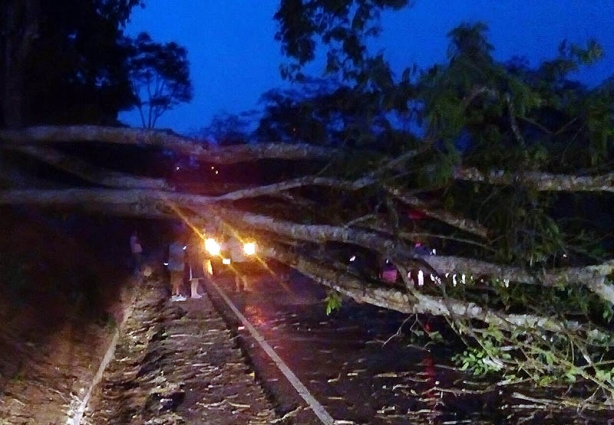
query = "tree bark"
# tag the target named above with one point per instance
(166, 140)
(414, 303)
(540, 181)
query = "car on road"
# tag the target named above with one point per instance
(231, 254)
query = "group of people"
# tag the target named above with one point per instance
(187, 257)
(182, 254)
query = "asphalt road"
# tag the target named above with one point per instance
(349, 362)
(360, 366)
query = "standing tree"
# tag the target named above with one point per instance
(227, 129)
(68, 62)
(64, 62)
(161, 77)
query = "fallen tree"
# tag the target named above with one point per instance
(282, 239)
(523, 228)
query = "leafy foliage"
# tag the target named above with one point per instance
(473, 112)
(342, 25)
(70, 66)
(227, 129)
(333, 301)
(73, 64)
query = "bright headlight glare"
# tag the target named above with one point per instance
(249, 248)
(212, 246)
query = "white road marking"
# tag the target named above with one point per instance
(317, 408)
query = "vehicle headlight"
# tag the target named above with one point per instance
(212, 246)
(249, 248)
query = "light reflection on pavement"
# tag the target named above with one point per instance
(350, 363)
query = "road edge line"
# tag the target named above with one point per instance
(300, 388)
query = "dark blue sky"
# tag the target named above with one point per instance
(234, 57)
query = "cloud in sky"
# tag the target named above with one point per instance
(234, 57)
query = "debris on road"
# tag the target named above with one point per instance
(177, 364)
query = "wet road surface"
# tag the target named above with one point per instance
(350, 361)
(359, 363)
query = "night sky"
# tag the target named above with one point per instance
(234, 57)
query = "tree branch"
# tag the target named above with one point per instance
(540, 181)
(441, 215)
(393, 298)
(88, 171)
(594, 277)
(166, 140)
(444, 216)
(275, 188)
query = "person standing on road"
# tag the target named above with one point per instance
(176, 268)
(238, 258)
(137, 252)
(195, 254)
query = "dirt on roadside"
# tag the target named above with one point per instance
(62, 301)
(177, 363)
(59, 305)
